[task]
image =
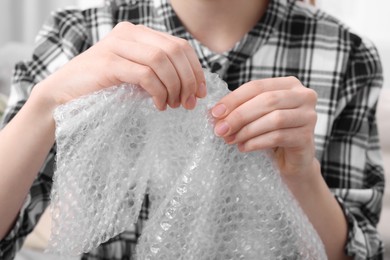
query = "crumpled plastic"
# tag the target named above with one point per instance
(207, 199)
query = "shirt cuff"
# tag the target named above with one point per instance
(362, 243)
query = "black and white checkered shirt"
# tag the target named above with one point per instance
(291, 39)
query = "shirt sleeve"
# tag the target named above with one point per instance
(33, 207)
(352, 164)
(62, 37)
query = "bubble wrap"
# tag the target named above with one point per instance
(207, 200)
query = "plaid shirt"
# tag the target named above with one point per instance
(291, 39)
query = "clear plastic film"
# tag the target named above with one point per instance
(207, 200)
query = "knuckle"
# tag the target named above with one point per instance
(237, 117)
(107, 41)
(277, 138)
(271, 99)
(279, 119)
(146, 76)
(147, 73)
(258, 83)
(294, 80)
(244, 133)
(184, 44)
(157, 56)
(173, 49)
(140, 27)
(108, 59)
(310, 95)
(251, 145)
(124, 25)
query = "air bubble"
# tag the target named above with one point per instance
(208, 200)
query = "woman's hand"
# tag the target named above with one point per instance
(278, 114)
(165, 66)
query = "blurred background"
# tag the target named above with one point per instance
(20, 21)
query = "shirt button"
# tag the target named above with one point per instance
(216, 67)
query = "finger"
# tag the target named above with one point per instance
(278, 119)
(194, 62)
(255, 108)
(176, 51)
(250, 90)
(142, 76)
(157, 60)
(184, 70)
(288, 138)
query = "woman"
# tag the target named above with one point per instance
(320, 122)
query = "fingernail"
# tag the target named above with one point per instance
(202, 90)
(221, 129)
(218, 110)
(191, 102)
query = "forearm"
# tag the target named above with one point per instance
(323, 211)
(24, 145)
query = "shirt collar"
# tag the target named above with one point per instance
(243, 49)
(165, 19)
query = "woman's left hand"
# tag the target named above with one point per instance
(275, 113)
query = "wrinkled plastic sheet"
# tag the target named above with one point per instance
(208, 200)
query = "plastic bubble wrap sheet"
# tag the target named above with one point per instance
(208, 200)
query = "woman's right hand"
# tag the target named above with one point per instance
(165, 66)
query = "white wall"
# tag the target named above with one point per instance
(20, 20)
(370, 18)
(89, 3)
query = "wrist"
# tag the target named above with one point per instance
(307, 182)
(42, 99)
(322, 209)
(39, 108)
